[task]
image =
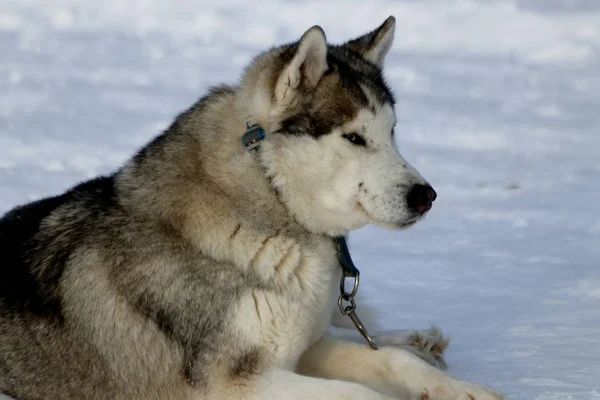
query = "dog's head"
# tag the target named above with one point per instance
(330, 124)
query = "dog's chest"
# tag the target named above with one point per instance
(289, 319)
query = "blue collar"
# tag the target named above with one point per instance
(252, 136)
(346, 263)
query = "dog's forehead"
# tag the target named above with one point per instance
(352, 84)
(354, 70)
(377, 123)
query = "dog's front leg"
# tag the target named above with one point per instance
(279, 384)
(389, 370)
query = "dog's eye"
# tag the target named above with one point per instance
(355, 138)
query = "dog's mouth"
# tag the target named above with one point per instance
(406, 224)
(386, 223)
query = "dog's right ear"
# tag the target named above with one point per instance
(307, 66)
(375, 45)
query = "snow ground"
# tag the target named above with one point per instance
(498, 107)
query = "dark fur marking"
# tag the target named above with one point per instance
(307, 124)
(194, 335)
(246, 365)
(264, 242)
(198, 342)
(192, 351)
(348, 73)
(257, 308)
(235, 232)
(9, 393)
(363, 72)
(164, 322)
(262, 248)
(284, 261)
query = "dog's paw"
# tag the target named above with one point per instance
(407, 373)
(472, 391)
(461, 391)
(429, 345)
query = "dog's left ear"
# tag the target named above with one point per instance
(307, 66)
(375, 45)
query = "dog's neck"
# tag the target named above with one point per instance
(254, 102)
(207, 140)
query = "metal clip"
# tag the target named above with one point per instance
(350, 309)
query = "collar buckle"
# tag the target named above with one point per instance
(253, 135)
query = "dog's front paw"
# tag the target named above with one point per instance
(478, 392)
(410, 375)
(428, 345)
(461, 391)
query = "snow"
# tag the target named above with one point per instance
(497, 105)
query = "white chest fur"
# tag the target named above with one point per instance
(286, 320)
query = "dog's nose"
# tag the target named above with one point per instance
(420, 198)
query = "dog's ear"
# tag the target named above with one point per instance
(307, 66)
(375, 45)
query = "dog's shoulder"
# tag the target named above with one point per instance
(37, 238)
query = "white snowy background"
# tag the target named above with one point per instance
(498, 106)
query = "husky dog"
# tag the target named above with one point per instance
(205, 270)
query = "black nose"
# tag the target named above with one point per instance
(420, 198)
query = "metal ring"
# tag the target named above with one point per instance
(354, 287)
